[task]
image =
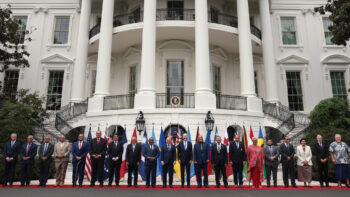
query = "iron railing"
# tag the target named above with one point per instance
(172, 100)
(72, 110)
(231, 102)
(40, 132)
(175, 14)
(118, 102)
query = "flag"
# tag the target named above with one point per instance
(249, 142)
(161, 143)
(192, 171)
(251, 135)
(155, 143)
(197, 135)
(142, 167)
(245, 142)
(177, 167)
(87, 169)
(261, 143)
(106, 166)
(229, 170)
(207, 140)
(123, 165)
(216, 135)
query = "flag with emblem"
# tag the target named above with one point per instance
(142, 167)
(106, 166)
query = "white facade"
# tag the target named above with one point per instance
(182, 33)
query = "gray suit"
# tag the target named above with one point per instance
(271, 151)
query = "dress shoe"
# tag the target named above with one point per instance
(136, 186)
(129, 185)
(217, 186)
(153, 186)
(295, 186)
(309, 186)
(286, 186)
(182, 186)
(74, 185)
(199, 186)
(80, 185)
(348, 185)
(147, 186)
(92, 185)
(268, 185)
(327, 185)
(4, 185)
(275, 185)
(164, 186)
(27, 185)
(171, 186)
(101, 184)
(117, 184)
(241, 186)
(321, 185)
(22, 185)
(206, 186)
(226, 186)
(188, 186)
(109, 185)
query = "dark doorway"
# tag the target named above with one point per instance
(274, 134)
(172, 130)
(119, 130)
(72, 135)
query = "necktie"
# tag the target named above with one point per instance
(237, 144)
(116, 144)
(201, 146)
(151, 147)
(271, 150)
(185, 145)
(98, 140)
(321, 145)
(219, 147)
(168, 147)
(79, 145)
(45, 148)
(133, 148)
(28, 147)
(12, 144)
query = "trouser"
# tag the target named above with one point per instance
(151, 171)
(78, 171)
(97, 166)
(44, 171)
(133, 168)
(26, 173)
(186, 166)
(10, 168)
(237, 173)
(323, 172)
(269, 169)
(220, 168)
(61, 168)
(199, 168)
(288, 169)
(256, 176)
(168, 168)
(114, 170)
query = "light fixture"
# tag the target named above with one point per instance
(209, 121)
(140, 122)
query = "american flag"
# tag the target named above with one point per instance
(106, 166)
(87, 169)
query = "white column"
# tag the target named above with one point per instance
(268, 53)
(78, 85)
(203, 93)
(146, 96)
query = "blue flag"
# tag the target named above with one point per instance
(155, 143)
(207, 140)
(161, 143)
(106, 166)
(192, 172)
(216, 135)
(142, 167)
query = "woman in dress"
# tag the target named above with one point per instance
(304, 163)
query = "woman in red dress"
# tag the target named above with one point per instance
(256, 158)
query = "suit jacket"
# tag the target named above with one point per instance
(147, 152)
(49, 151)
(115, 151)
(286, 152)
(304, 155)
(98, 148)
(219, 158)
(133, 157)
(201, 156)
(321, 152)
(185, 156)
(168, 156)
(237, 155)
(62, 149)
(80, 153)
(275, 155)
(12, 152)
(31, 153)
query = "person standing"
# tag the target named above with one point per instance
(256, 158)
(340, 154)
(29, 151)
(304, 163)
(79, 151)
(287, 159)
(151, 154)
(45, 157)
(219, 160)
(133, 159)
(97, 150)
(272, 154)
(115, 155)
(322, 153)
(185, 157)
(61, 153)
(201, 158)
(237, 160)
(168, 159)
(11, 151)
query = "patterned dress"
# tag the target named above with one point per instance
(340, 152)
(255, 170)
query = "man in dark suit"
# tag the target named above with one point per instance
(237, 159)
(287, 159)
(272, 154)
(219, 160)
(79, 151)
(29, 151)
(321, 152)
(97, 150)
(185, 157)
(201, 159)
(45, 155)
(168, 159)
(133, 159)
(11, 152)
(151, 154)
(115, 152)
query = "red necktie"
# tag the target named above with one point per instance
(79, 145)
(98, 140)
(28, 147)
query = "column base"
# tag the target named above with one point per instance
(95, 104)
(205, 100)
(145, 100)
(254, 104)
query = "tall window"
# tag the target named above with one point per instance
(175, 10)
(289, 36)
(22, 27)
(338, 84)
(54, 92)
(61, 30)
(132, 80)
(256, 83)
(214, 15)
(216, 80)
(11, 83)
(295, 94)
(175, 79)
(327, 33)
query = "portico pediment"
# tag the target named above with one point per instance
(336, 59)
(56, 58)
(293, 59)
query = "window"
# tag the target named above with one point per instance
(11, 83)
(295, 94)
(132, 80)
(289, 36)
(93, 82)
(22, 27)
(338, 84)
(54, 92)
(175, 10)
(256, 83)
(214, 15)
(216, 80)
(175, 80)
(61, 30)
(135, 16)
(327, 33)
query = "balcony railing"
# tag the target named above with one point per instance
(231, 102)
(118, 102)
(185, 100)
(175, 14)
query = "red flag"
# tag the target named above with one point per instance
(197, 135)
(134, 134)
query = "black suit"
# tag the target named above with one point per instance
(237, 157)
(114, 166)
(133, 158)
(168, 156)
(97, 165)
(28, 150)
(11, 151)
(219, 160)
(322, 152)
(44, 165)
(287, 166)
(185, 156)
